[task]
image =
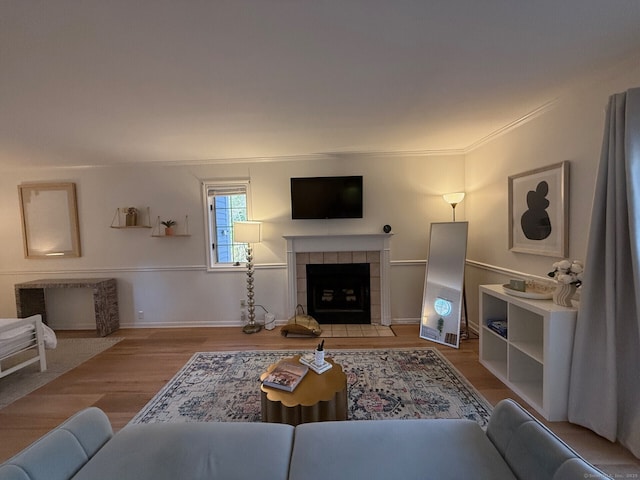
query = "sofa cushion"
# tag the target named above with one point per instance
(532, 450)
(194, 451)
(388, 449)
(63, 451)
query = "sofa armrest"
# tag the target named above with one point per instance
(59, 454)
(533, 451)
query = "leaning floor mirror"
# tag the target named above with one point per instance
(444, 283)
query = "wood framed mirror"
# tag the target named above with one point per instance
(49, 213)
(444, 283)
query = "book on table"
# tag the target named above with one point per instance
(286, 375)
(310, 361)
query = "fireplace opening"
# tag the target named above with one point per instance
(339, 293)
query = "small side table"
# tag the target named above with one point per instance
(318, 398)
(30, 299)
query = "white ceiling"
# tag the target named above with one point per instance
(85, 82)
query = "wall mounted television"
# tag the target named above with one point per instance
(326, 197)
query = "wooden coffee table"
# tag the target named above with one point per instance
(318, 398)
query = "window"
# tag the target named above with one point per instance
(226, 202)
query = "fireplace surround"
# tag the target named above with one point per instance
(372, 249)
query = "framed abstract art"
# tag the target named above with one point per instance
(539, 211)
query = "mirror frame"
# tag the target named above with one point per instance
(49, 211)
(452, 292)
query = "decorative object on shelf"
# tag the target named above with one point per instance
(532, 290)
(249, 233)
(168, 227)
(386, 229)
(569, 277)
(501, 327)
(131, 216)
(563, 294)
(539, 211)
(453, 199)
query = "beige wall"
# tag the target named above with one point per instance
(166, 278)
(571, 130)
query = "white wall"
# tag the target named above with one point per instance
(166, 278)
(571, 130)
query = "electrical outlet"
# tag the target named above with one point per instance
(243, 316)
(243, 302)
(140, 315)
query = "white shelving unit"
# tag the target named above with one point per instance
(534, 360)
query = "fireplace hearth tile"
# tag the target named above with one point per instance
(345, 257)
(359, 257)
(355, 331)
(316, 257)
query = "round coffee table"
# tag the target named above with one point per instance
(318, 397)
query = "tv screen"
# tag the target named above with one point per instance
(326, 197)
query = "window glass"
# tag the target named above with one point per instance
(226, 203)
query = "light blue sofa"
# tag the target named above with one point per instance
(514, 446)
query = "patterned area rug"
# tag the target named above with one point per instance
(382, 384)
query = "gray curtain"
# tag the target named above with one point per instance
(604, 393)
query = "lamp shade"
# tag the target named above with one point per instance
(247, 232)
(453, 198)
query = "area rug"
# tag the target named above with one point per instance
(69, 353)
(382, 384)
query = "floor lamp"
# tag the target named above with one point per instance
(249, 233)
(453, 199)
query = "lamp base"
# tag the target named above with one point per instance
(251, 328)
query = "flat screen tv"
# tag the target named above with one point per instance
(326, 197)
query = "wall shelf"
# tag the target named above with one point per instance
(120, 219)
(183, 231)
(534, 359)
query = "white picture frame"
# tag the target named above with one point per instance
(539, 211)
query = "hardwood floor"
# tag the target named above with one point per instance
(124, 378)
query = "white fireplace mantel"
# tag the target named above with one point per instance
(379, 242)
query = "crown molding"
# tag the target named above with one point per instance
(542, 109)
(343, 155)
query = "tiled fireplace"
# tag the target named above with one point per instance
(340, 292)
(372, 250)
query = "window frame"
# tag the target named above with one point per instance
(209, 225)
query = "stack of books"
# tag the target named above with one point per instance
(286, 375)
(498, 326)
(308, 360)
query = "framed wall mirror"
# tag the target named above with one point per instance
(49, 214)
(444, 283)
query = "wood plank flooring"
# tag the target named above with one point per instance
(124, 378)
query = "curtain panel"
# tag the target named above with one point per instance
(604, 393)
